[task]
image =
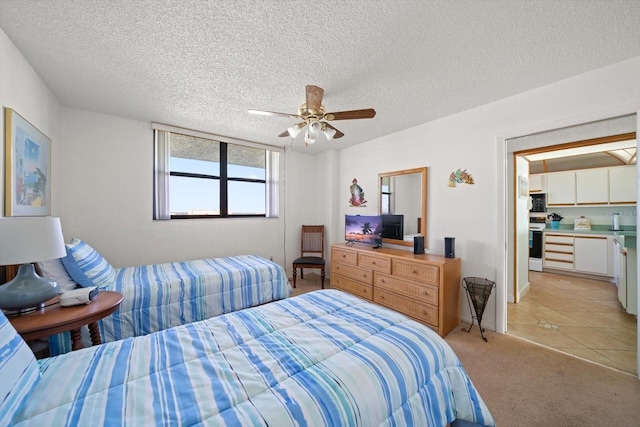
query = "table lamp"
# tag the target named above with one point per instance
(24, 241)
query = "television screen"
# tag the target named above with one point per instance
(393, 227)
(363, 229)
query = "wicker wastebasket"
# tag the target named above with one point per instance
(478, 293)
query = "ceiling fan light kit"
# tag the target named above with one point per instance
(313, 116)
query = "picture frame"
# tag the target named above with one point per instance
(27, 168)
(523, 187)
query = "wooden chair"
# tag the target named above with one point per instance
(311, 242)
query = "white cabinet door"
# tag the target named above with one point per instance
(561, 189)
(592, 186)
(623, 185)
(592, 254)
(536, 183)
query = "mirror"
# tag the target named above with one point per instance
(404, 193)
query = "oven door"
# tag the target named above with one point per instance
(535, 244)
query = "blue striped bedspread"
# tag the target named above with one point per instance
(159, 296)
(324, 358)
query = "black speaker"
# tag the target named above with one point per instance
(449, 247)
(418, 244)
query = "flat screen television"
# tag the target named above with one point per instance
(363, 229)
(393, 227)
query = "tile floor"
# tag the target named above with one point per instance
(577, 316)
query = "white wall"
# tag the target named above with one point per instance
(521, 206)
(476, 215)
(22, 90)
(108, 198)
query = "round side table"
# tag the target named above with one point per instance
(54, 319)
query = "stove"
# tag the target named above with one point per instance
(536, 225)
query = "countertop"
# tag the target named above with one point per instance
(628, 234)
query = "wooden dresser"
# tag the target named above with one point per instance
(423, 287)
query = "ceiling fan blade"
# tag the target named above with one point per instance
(314, 97)
(338, 133)
(295, 128)
(273, 113)
(353, 114)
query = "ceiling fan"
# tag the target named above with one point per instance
(314, 117)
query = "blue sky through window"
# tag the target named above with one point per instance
(195, 194)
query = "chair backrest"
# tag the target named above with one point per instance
(312, 240)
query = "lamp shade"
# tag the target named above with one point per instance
(26, 240)
(315, 128)
(294, 130)
(309, 138)
(329, 132)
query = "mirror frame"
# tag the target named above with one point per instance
(423, 213)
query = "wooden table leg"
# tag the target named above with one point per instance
(95, 333)
(76, 339)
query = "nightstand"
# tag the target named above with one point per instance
(54, 319)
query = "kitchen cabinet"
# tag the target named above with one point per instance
(561, 189)
(558, 251)
(582, 253)
(592, 254)
(623, 185)
(536, 183)
(592, 186)
(422, 286)
(616, 185)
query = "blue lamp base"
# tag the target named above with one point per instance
(27, 291)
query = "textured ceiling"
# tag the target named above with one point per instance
(203, 64)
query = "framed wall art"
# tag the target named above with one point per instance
(27, 168)
(523, 187)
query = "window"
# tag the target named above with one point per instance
(201, 176)
(385, 195)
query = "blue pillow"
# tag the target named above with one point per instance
(19, 371)
(87, 267)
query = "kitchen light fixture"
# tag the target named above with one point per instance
(24, 241)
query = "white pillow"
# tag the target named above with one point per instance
(54, 269)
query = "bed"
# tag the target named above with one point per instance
(159, 296)
(324, 358)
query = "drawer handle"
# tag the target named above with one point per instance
(415, 271)
(373, 262)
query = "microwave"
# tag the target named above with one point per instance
(538, 202)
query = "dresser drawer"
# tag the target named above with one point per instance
(352, 286)
(363, 275)
(376, 263)
(344, 255)
(415, 271)
(425, 293)
(418, 310)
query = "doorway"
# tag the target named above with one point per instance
(574, 314)
(578, 316)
